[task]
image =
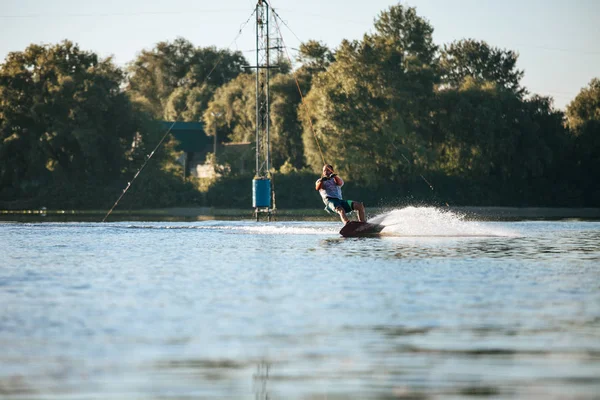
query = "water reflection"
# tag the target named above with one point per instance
(261, 380)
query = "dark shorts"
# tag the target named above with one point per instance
(331, 204)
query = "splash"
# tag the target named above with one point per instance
(432, 222)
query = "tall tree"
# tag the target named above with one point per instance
(511, 146)
(372, 105)
(286, 129)
(408, 33)
(231, 114)
(585, 108)
(583, 115)
(64, 116)
(176, 80)
(482, 62)
(315, 56)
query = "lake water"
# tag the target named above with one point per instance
(439, 307)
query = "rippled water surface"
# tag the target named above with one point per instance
(438, 307)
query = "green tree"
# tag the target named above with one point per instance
(513, 148)
(64, 117)
(185, 104)
(472, 123)
(315, 56)
(231, 114)
(469, 58)
(372, 105)
(176, 80)
(584, 108)
(583, 116)
(286, 129)
(409, 34)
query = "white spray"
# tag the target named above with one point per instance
(431, 221)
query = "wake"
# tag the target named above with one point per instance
(404, 222)
(434, 222)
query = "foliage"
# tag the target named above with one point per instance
(584, 108)
(371, 105)
(395, 114)
(64, 117)
(286, 129)
(583, 115)
(176, 80)
(469, 58)
(315, 57)
(231, 114)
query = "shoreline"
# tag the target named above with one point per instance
(207, 213)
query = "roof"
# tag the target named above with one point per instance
(191, 135)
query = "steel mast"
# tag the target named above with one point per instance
(261, 184)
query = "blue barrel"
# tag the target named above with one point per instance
(261, 192)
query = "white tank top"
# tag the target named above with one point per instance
(330, 189)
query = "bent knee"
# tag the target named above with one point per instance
(357, 205)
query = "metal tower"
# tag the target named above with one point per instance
(261, 189)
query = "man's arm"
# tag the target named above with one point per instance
(319, 184)
(338, 181)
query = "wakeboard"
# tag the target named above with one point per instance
(360, 229)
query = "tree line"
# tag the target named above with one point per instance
(396, 114)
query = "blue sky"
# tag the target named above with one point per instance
(558, 41)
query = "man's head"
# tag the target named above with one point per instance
(327, 169)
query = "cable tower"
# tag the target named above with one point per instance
(262, 193)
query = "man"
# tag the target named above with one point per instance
(330, 189)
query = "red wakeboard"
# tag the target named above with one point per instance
(359, 229)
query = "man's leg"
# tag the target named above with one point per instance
(360, 207)
(343, 216)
